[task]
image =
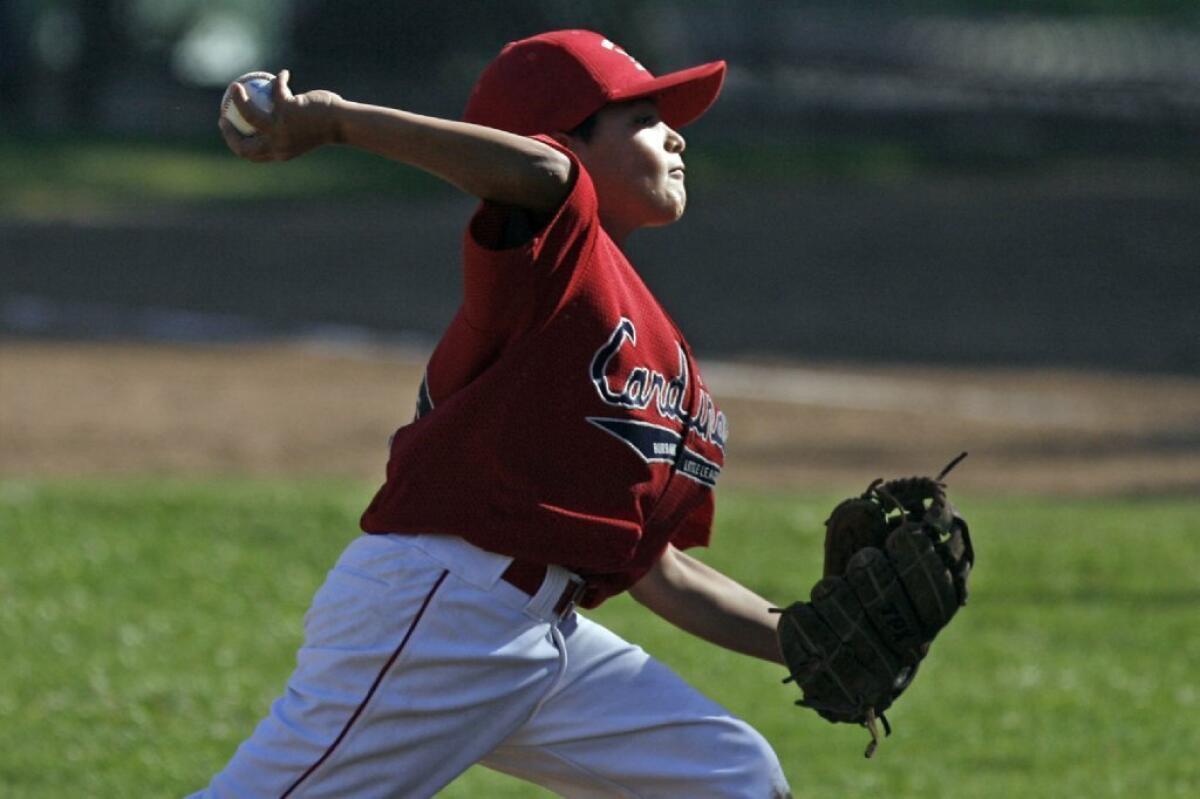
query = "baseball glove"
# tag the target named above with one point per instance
(897, 560)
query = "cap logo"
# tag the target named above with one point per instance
(608, 45)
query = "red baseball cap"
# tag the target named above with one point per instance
(554, 81)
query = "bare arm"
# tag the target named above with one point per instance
(487, 163)
(699, 599)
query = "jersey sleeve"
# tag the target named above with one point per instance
(505, 289)
(696, 528)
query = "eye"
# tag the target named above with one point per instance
(646, 119)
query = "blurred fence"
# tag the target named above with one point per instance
(1006, 80)
(1021, 272)
(1022, 261)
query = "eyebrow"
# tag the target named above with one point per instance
(651, 101)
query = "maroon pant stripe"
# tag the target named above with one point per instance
(371, 692)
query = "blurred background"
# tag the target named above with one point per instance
(956, 184)
(1003, 182)
(915, 227)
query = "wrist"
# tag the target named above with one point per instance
(318, 118)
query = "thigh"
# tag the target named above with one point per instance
(622, 724)
(397, 688)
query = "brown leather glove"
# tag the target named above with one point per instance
(897, 561)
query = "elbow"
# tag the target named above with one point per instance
(553, 167)
(562, 170)
(534, 178)
(660, 581)
(548, 181)
(642, 590)
(537, 181)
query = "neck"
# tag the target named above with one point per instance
(616, 229)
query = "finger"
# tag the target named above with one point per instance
(252, 148)
(260, 119)
(230, 134)
(283, 92)
(256, 148)
(238, 143)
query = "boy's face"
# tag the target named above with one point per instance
(636, 163)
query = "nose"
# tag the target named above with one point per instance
(675, 141)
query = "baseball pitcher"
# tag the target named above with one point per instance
(564, 449)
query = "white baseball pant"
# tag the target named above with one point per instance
(419, 661)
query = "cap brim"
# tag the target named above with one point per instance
(682, 96)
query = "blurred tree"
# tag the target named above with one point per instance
(1140, 8)
(15, 64)
(350, 37)
(102, 51)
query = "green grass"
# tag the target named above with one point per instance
(147, 624)
(46, 175)
(90, 174)
(82, 175)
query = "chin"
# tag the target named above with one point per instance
(669, 213)
(665, 219)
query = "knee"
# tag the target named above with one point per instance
(748, 766)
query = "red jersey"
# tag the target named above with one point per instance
(562, 418)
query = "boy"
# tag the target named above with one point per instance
(565, 449)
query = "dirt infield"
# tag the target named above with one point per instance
(71, 409)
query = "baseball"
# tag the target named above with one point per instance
(258, 87)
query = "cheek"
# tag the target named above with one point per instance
(658, 186)
(636, 180)
(671, 191)
(665, 202)
(678, 196)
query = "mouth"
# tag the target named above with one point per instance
(676, 171)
